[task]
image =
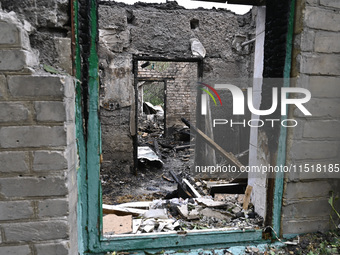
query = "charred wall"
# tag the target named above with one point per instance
(38, 151)
(315, 143)
(48, 23)
(180, 77)
(161, 30)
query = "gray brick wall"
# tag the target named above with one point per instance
(180, 94)
(316, 140)
(38, 188)
(122, 35)
(49, 25)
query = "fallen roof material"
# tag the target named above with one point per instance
(228, 155)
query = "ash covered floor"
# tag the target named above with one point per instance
(164, 197)
(153, 180)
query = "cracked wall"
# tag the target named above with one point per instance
(160, 30)
(38, 154)
(48, 24)
(316, 140)
(180, 93)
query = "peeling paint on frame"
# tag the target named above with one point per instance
(89, 204)
(281, 154)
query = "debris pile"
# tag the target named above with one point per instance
(196, 204)
(173, 142)
(146, 155)
(152, 120)
(196, 212)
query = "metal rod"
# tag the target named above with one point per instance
(248, 42)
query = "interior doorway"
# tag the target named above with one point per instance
(163, 90)
(158, 128)
(152, 104)
(94, 213)
(162, 183)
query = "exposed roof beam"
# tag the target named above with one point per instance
(244, 2)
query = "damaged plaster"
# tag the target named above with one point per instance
(164, 31)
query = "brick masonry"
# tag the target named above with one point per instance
(38, 188)
(38, 191)
(316, 140)
(48, 22)
(181, 77)
(161, 31)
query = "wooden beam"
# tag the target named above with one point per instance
(228, 155)
(246, 200)
(120, 211)
(182, 147)
(229, 188)
(182, 192)
(242, 154)
(242, 2)
(248, 2)
(191, 188)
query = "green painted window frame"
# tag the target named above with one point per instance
(90, 238)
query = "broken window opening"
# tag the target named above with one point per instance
(163, 196)
(121, 178)
(194, 23)
(151, 101)
(92, 219)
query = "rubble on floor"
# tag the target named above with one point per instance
(196, 204)
(152, 180)
(114, 224)
(178, 214)
(146, 154)
(156, 144)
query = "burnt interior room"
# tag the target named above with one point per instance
(152, 60)
(115, 120)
